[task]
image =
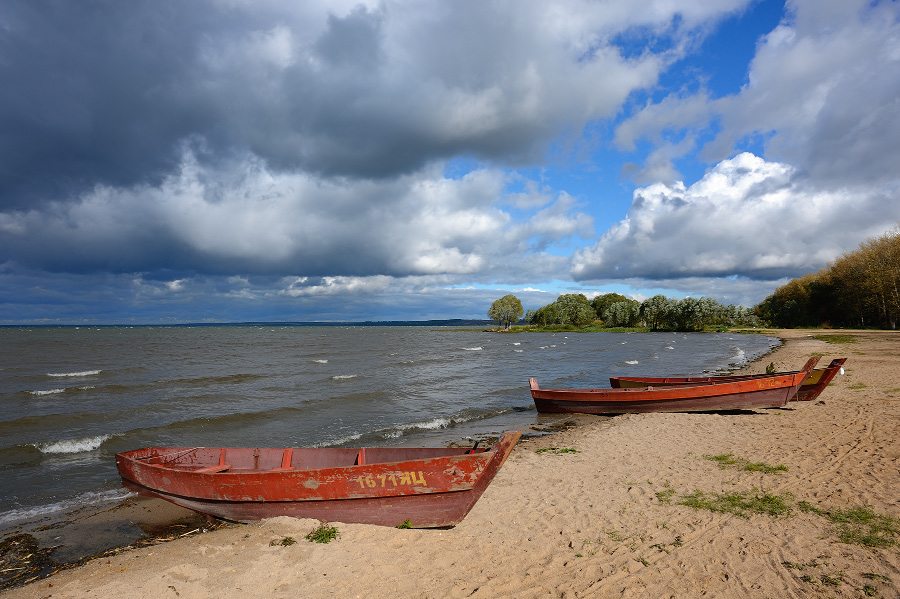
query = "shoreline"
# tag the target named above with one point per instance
(592, 522)
(79, 533)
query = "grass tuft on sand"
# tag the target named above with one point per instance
(739, 503)
(323, 534)
(728, 460)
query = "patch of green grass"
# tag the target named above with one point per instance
(856, 386)
(739, 503)
(323, 534)
(878, 577)
(284, 542)
(665, 497)
(869, 591)
(728, 460)
(557, 450)
(835, 338)
(859, 525)
(405, 524)
(862, 526)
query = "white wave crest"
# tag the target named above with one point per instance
(432, 424)
(472, 348)
(321, 361)
(631, 362)
(341, 377)
(72, 445)
(338, 441)
(82, 373)
(47, 392)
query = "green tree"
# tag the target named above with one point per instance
(568, 309)
(575, 309)
(622, 314)
(506, 310)
(657, 312)
(602, 302)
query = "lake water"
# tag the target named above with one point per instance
(72, 397)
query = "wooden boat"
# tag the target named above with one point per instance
(430, 487)
(818, 379)
(771, 391)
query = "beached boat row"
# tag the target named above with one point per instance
(812, 386)
(418, 487)
(690, 394)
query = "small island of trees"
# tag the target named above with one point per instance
(573, 311)
(861, 289)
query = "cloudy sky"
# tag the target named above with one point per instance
(245, 160)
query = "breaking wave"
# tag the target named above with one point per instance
(74, 374)
(72, 445)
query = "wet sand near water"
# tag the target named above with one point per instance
(592, 511)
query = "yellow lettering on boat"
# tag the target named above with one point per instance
(405, 478)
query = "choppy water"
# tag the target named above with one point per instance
(72, 397)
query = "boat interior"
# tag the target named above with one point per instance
(220, 459)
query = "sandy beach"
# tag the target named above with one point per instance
(604, 520)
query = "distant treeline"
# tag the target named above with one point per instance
(860, 289)
(658, 313)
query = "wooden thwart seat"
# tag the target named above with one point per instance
(220, 467)
(285, 461)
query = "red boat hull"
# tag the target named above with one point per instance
(765, 392)
(817, 381)
(430, 487)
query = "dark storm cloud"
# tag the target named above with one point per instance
(94, 92)
(104, 92)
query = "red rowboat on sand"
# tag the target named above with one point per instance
(818, 379)
(430, 487)
(772, 391)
